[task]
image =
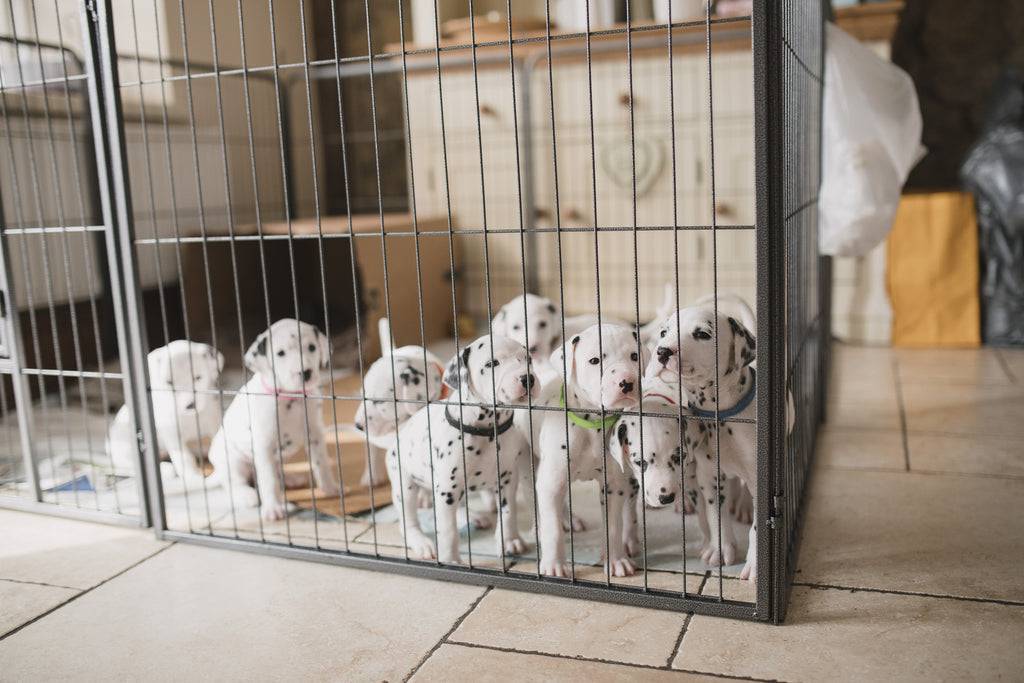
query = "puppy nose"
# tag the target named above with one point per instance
(191, 406)
(627, 387)
(664, 353)
(360, 426)
(666, 498)
(527, 381)
(306, 374)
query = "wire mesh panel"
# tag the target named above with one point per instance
(60, 364)
(471, 290)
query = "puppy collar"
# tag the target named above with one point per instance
(284, 396)
(444, 387)
(473, 430)
(583, 422)
(667, 398)
(736, 409)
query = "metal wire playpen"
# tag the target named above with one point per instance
(200, 171)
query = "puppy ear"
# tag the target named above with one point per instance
(457, 372)
(324, 346)
(159, 362)
(618, 445)
(220, 361)
(256, 356)
(743, 347)
(567, 353)
(499, 326)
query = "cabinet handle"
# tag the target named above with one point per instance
(572, 214)
(723, 209)
(541, 212)
(488, 110)
(625, 99)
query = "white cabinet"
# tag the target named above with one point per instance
(612, 145)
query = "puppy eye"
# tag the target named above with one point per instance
(515, 327)
(492, 364)
(664, 332)
(594, 361)
(701, 334)
(281, 352)
(543, 324)
(633, 356)
(312, 348)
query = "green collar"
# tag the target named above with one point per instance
(587, 424)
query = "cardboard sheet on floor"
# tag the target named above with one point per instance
(932, 271)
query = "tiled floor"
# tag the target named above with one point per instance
(910, 569)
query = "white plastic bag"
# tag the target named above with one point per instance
(871, 138)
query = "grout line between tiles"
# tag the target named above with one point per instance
(929, 473)
(1006, 366)
(903, 414)
(679, 641)
(598, 660)
(84, 592)
(885, 591)
(40, 583)
(445, 638)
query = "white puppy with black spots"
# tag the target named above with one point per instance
(463, 444)
(395, 387)
(715, 375)
(183, 378)
(272, 417)
(601, 369)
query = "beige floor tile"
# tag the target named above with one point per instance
(574, 628)
(922, 533)
(966, 454)
(980, 366)
(69, 553)
(183, 611)
(863, 412)
(840, 635)
(23, 602)
(462, 663)
(1014, 359)
(845, 448)
(952, 408)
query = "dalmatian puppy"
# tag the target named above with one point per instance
(536, 323)
(395, 386)
(602, 368)
(461, 445)
(272, 417)
(183, 378)
(686, 354)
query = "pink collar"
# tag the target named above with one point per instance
(652, 394)
(283, 395)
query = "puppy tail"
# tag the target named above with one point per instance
(387, 342)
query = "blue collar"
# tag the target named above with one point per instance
(735, 410)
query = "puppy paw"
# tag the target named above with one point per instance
(273, 512)
(554, 568)
(622, 567)
(512, 546)
(713, 557)
(749, 572)
(245, 498)
(421, 547)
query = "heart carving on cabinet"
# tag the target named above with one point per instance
(616, 161)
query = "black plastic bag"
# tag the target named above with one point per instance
(994, 172)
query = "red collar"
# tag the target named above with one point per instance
(653, 393)
(284, 395)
